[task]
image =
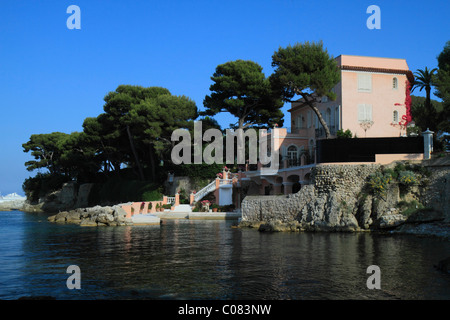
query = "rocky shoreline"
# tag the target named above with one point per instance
(340, 199)
(93, 217)
(437, 229)
(12, 205)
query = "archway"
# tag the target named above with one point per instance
(294, 180)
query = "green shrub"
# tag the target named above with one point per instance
(341, 134)
(152, 195)
(117, 190)
(407, 178)
(408, 208)
(392, 172)
(378, 183)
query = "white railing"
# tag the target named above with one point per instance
(203, 192)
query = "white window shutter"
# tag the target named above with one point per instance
(361, 112)
(364, 112)
(364, 82)
(368, 112)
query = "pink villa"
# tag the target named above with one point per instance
(371, 102)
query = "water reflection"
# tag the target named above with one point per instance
(185, 259)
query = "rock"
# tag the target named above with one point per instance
(435, 229)
(425, 215)
(73, 217)
(61, 217)
(82, 200)
(365, 211)
(93, 216)
(444, 265)
(32, 208)
(88, 223)
(12, 205)
(349, 222)
(250, 224)
(105, 217)
(278, 226)
(391, 221)
(63, 199)
(119, 213)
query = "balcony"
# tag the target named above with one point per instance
(298, 131)
(320, 132)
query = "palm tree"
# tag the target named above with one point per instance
(425, 79)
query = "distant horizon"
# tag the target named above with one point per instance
(54, 77)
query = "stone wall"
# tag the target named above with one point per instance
(437, 195)
(338, 200)
(347, 180)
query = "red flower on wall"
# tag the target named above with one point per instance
(407, 118)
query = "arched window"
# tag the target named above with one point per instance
(395, 116)
(394, 83)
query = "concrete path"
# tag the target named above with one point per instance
(145, 219)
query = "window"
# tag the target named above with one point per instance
(364, 82)
(300, 122)
(292, 154)
(395, 116)
(337, 118)
(364, 112)
(309, 117)
(394, 83)
(328, 117)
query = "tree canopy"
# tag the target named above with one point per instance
(241, 88)
(442, 82)
(134, 131)
(308, 71)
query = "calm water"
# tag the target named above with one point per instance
(185, 259)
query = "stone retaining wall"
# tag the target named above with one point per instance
(333, 202)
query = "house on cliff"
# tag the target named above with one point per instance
(372, 102)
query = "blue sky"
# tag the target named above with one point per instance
(52, 78)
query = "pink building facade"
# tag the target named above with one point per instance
(370, 102)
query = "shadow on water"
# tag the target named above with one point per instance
(187, 259)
